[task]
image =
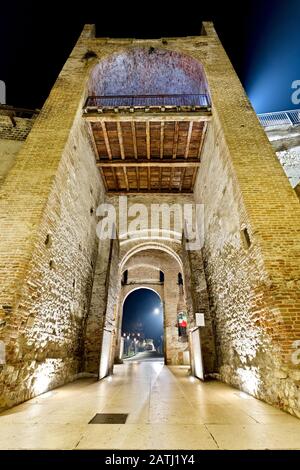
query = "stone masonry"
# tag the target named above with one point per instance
(12, 135)
(246, 279)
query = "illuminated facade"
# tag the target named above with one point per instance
(158, 121)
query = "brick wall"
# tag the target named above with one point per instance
(11, 141)
(19, 131)
(8, 152)
(48, 247)
(253, 290)
(197, 293)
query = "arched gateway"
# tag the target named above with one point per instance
(130, 124)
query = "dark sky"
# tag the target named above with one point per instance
(262, 39)
(139, 306)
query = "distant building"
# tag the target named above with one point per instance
(283, 131)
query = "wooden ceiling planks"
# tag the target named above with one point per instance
(148, 156)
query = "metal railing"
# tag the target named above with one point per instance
(119, 101)
(280, 118)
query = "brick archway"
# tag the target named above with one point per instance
(147, 259)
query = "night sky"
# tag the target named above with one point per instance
(262, 39)
(139, 306)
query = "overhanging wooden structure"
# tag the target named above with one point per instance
(143, 147)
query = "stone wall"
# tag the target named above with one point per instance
(17, 131)
(48, 243)
(197, 292)
(44, 336)
(114, 286)
(48, 247)
(247, 276)
(143, 274)
(96, 316)
(286, 142)
(290, 161)
(8, 151)
(11, 140)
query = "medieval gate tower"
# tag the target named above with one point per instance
(158, 121)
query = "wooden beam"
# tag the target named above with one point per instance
(160, 176)
(147, 191)
(171, 178)
(182, 178)
(126, 178)
(194, 177)
(134, 139)
(149, 163)
(148, 137)
(120, 137)
(187, 148)
(162, 125)
(202, 139)
(144, 117)
(137, 177)
(149, 178)
(106, 140)
(115, 177)
(175, 141)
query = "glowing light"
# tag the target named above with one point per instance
(197, 355)
(105, 356)
(156, 311)
(41, 384)
(43, 377)
(249, 379)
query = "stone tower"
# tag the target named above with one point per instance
(157, 121)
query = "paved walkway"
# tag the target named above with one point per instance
(151, 356)
(167, 410)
